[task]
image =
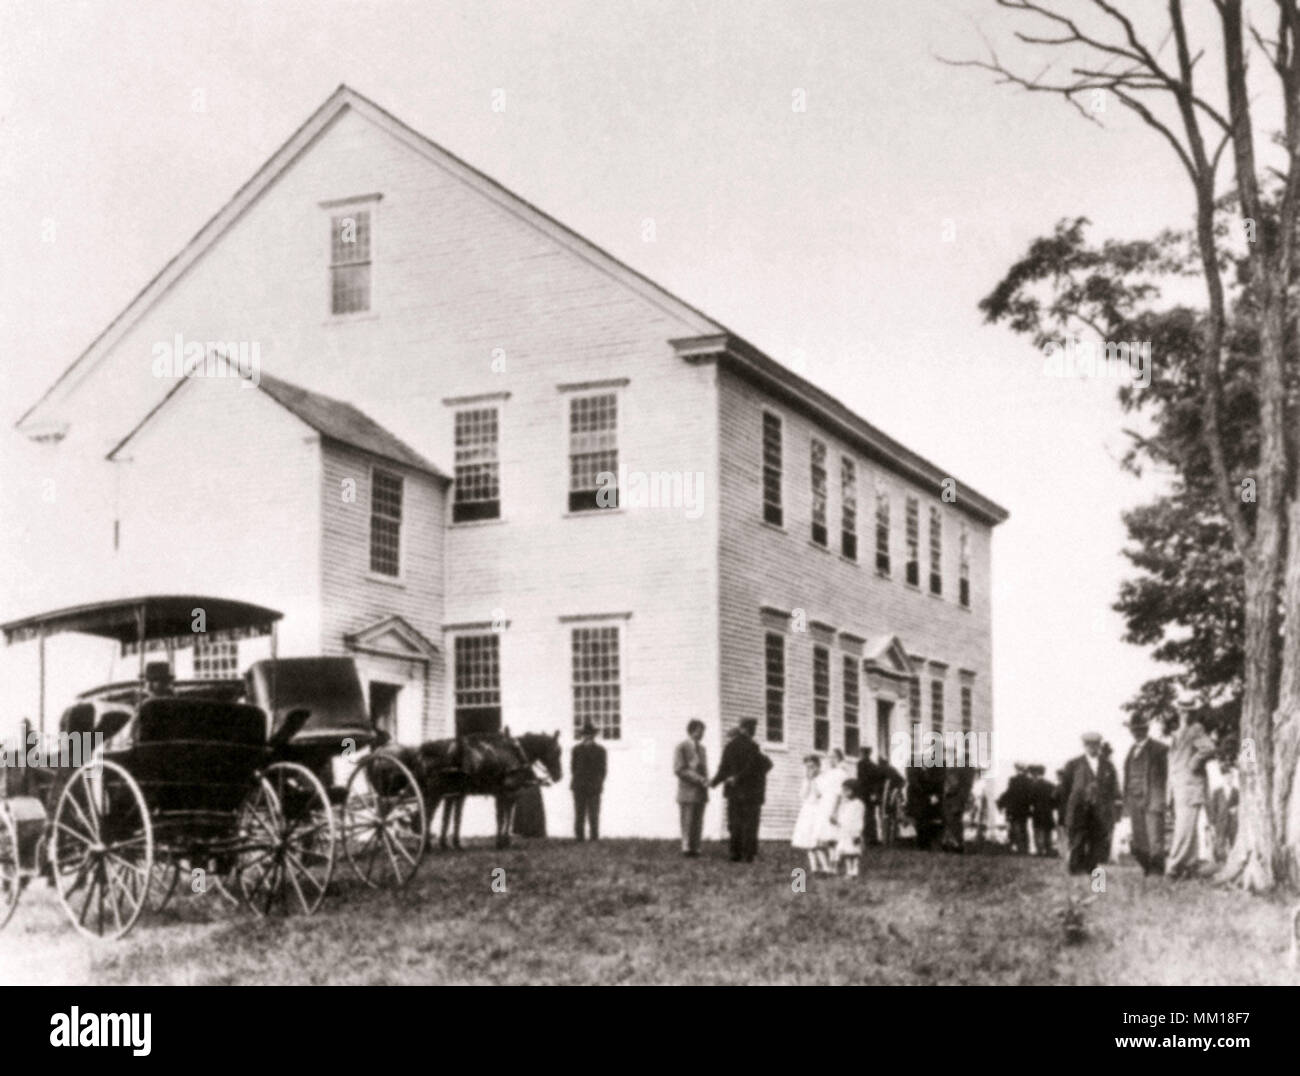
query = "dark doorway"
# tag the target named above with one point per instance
(884, 714)
(383, 706)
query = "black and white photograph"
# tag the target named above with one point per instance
(651, 493)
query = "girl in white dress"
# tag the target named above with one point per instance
(805, 825)
(853, 816)
(829, 788)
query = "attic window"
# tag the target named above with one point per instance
(350, 261)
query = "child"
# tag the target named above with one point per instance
(805, 826)
(852, 818)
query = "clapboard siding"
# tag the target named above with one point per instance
(762, 565)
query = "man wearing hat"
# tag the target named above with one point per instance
(1042, 809)
(158, 683)
(1189, 751)
(743, 772)
(1146, 771)
(1015, 803)
(1089, 790)
(587, 764)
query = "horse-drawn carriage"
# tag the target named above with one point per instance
(228, 780)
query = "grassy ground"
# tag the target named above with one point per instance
(636, 912)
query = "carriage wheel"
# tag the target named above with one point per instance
(10, 869)
(288, 835)
(101, 850)
(163, 880)
(385, 825)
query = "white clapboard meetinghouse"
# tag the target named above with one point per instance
(521, 484)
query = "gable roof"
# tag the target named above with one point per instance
(772, 374)
(333, 419)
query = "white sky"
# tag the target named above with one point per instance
(817, 235)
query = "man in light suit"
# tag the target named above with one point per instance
(1190, 750)
(1089, 791)
(1146, 772)
(692, 770)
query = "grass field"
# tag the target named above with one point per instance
(637, 912)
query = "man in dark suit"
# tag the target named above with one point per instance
(743, 768)
(1089, 790)
(1016, 803)
(587, 764)
(1146, 783)
(871, 785)
(1042, 810)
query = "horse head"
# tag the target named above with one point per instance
(539, 747)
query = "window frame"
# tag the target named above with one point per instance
(456, 691)
(466, 409)
(374, 572)
(619, 681)
(772, 420)
(341, 207)
(936, 551)
(819, 527)
(851, 676)
(963, 569)
(773, 690)
(848, 508)
(884, 528)
(570, 398)
(912, 532)
(821, 697)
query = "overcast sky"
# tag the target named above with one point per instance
(852, 240)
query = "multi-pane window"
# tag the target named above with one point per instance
(967, 719)
(819, 492)
(914, 700)
(593, 452)
(350, 262)
(477, 661)
(386, 523)
(774, 679)
(821, 699)
(936, 551)
(913, 542)
(852, 702)
(882, 533)
(963, 582)
(597, 691)
(478, 478)
(936, 704)
(848, 508)
(215, 659)
(772, 510)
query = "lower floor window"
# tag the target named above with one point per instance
(478, 684)
(597, 691)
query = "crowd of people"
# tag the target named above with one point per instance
(1179, 799)
(1177, 816)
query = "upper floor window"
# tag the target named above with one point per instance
(772, 510)
(477, 662)
(936, 551)
(215, 659)
(913, 542)
(852, 702)
(350, 261)
(386, 523)
(963, 581)
(819, 492)
(821, 699)
(597, 691)
(593, 452)
(882, 532)
(478, 480)
(848, 508)
(774, 684)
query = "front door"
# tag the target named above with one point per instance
(383, 706)
(884, 714)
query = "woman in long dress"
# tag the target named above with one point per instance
(805, 825)
(829, 789)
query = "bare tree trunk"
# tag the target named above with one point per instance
(1285, 793)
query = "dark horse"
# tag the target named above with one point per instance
(488, 764)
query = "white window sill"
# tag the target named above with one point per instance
(348, 319)
(388, 580)
(588, 513)
(458, 524)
